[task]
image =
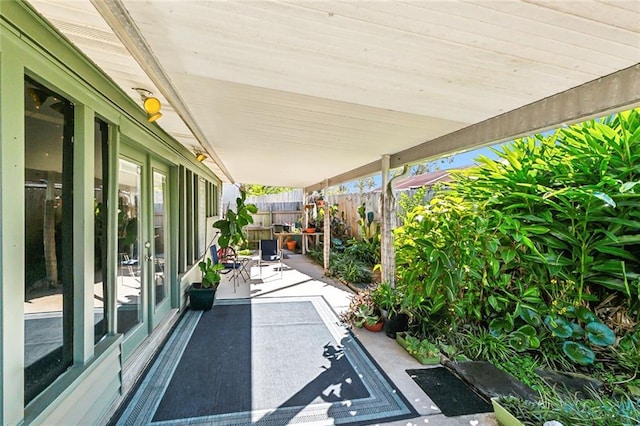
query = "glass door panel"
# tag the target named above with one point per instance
(129, 275)
(160, 243)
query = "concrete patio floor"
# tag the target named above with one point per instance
(302, 277)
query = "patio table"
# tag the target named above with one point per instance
(304, 238)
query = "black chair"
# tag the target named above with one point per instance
(268, 253)
(226, 257)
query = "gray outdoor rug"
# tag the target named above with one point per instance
(265, 362)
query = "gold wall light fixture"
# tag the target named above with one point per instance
(200, 156)
(151, 104)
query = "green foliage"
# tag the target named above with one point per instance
(362, 308)
(366, 251)
(421, 347)
(348, 268)
(627, 353)
(210, 273)
(555, 220)
(523, 367)
(407, 203)
(232, 226)
(583, 327)
(578, 353)
(479, 343)
(369, 227)
(570, 410)
(366, 315)
(386, 297)
(344, 266)
(340, 229)
(258, 190)
(566, 200)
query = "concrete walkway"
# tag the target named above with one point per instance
(302, 277)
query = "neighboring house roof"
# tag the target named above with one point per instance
(426, 179)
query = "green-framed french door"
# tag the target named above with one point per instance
(160, 249)
(143, 285)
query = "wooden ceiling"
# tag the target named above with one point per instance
(294, 92)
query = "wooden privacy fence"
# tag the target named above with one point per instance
(286, 208)
(270, 213)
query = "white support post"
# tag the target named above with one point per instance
(387, 255)
(326, 244)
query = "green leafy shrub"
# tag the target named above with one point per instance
(362, 308)
(344, 266)
(367, 252)
(421, 347)
(557, 218)
(598, 410)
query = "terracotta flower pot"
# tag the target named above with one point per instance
(291, 245)
(375, 327)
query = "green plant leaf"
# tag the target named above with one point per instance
(508, 255)
(599, 334)
(534, 342)
(499, 326)
(558, 327)
(527, 330)
(585, 315)
(578, 332)
(531, 317)
(518, 341)
(604, 197)
(578, 353)
(628, 186)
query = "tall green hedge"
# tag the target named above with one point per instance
(553, 223)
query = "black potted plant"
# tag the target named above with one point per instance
(389, 300)
(201, 294)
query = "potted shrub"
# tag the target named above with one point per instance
(363, 312)
(231, 227)
(202, 294)
(389, 301)
(424, 351)
(367, 317)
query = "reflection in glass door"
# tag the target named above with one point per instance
(129, 286)
(160, 281)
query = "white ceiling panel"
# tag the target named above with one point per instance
(292, 92)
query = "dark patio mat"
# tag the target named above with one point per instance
(448, 392)
(265, 362)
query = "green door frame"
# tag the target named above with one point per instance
(139, 332)
(151, 314)
(158, 312)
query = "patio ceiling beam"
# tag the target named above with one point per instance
(122, 24)
(606, 95)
